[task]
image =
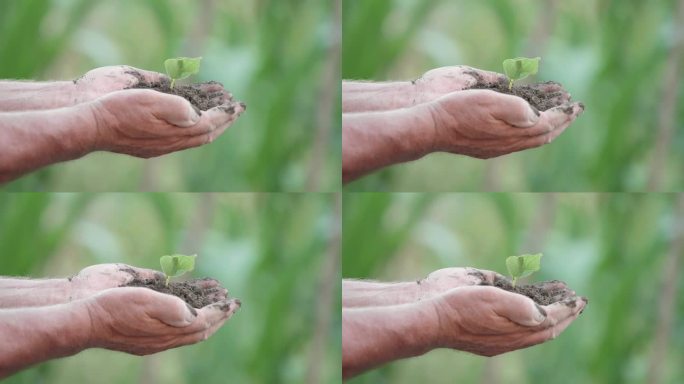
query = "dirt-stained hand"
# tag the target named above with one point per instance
(104, 80)
(445, 279)
(141, 321)
(490, 321)
(146, 123)
(96, 278)
(486, 124)
(438, 82)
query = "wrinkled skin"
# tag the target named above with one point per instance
(97, 278)
(141, 321)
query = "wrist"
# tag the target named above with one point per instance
(90, 132)
(420, 332)
(425, 132)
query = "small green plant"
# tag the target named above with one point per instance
(176, 265)
(181, 68)
(519, 68)
(523, 265)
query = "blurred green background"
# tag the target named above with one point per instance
(281, 57)
(625, 252)
(278, 253)
(623, 59)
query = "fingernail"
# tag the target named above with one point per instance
(535, 110)
(198, 113)
(191, 315)
(541, 314)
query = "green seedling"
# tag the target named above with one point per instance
(519, 68)
(522, 266)
(181, 68)
(176, 265)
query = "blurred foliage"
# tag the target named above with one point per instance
(612, 248)
(270, 250)
(278, 56)
(612, 55)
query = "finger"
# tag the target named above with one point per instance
(558, 312)
(168, 309)
(512, 110)
(484, 276)
(213, 314)
(483, 77)
(145, 77)
(207, 283)
(175, 110)
(202, 335)
(551, 332)
(141, 273)
(553, 122)
(214, 121)
(515, 307)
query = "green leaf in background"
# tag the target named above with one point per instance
(519, 68)
(181, 68)
(176, 265)
(523, 265)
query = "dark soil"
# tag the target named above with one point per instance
(194, 93)
(543, 293)
(190, 291)
(532, 93)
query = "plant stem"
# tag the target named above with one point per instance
(167, 280)
(515, 280)
(173, 82)
(510, 84)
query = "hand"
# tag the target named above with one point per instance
(439, 82)
(445, 279)
(141, 321)
(490, 321)
(100, 277)
(104, 80)
(486, 124)
(146, 123)
(442, 81)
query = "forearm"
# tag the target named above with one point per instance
(360, 293)
(18, 293)
(374, 336)
(31, 96)
(359, 96)
(30, 140)
(33, 335)
(373, 140)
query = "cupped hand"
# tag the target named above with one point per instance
(146, 123)
(141, 321)
(96, 278)
(445, 279)
(442, 81)
(486, 124)
(490, 321)
(105, 80)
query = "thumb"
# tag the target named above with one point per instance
(515, 307)
(170, 310)
(513, 110)
(175, 110)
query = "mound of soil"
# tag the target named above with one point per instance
(543, 293)
(191, 291)
(532, 93)
(194, 93)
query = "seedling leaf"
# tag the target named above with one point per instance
(519, 68)
(181, 68)
(176, 265)
(523, 265)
